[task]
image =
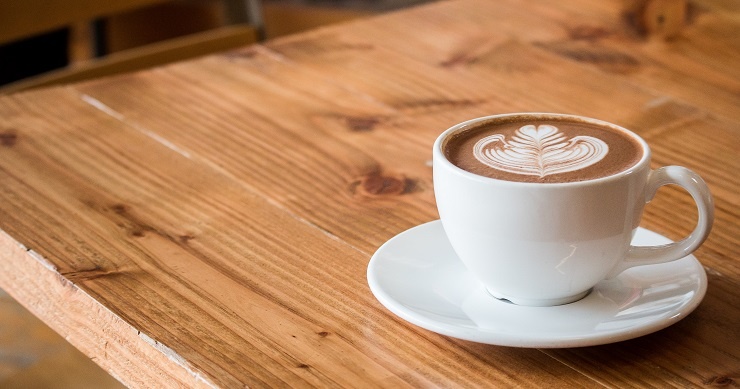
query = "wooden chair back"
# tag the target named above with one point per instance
(26, 18)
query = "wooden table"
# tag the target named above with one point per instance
(210, 223)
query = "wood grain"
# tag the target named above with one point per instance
(240, 271)
(210, 222)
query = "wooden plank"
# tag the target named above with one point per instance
(190, 260)
(384, 125)
(697, 67)
(334, 172)
(67, 310)
(393, 104)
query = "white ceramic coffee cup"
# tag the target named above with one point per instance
(544, 244)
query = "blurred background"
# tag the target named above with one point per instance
(72, 40)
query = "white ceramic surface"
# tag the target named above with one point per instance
(417, 276)
(546, 244)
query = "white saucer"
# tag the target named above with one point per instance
(417, 276)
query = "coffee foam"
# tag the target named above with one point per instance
(556, 150)
(539, 151)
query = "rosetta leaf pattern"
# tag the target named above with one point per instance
(540, 151)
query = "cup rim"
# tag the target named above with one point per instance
(439, 156)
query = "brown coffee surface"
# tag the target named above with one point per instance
(544, 151)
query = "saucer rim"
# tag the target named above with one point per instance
(534, 340)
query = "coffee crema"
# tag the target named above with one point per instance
(544, 151)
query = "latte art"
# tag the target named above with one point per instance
(539, 151)
(548, 149)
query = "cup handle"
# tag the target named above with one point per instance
(697, 188)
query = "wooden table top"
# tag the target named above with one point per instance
(210, 223)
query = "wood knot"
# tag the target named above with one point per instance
(137, 232)
(607, 59)
(720, 381)
(185, 238)
(353, 123)
(584, 32)
(459, 60)
(361, 124)
(91, 274)
(661, 18)
(128, 222)
(8, 138)
(323, 334)
(379, 184)
(120, 209)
